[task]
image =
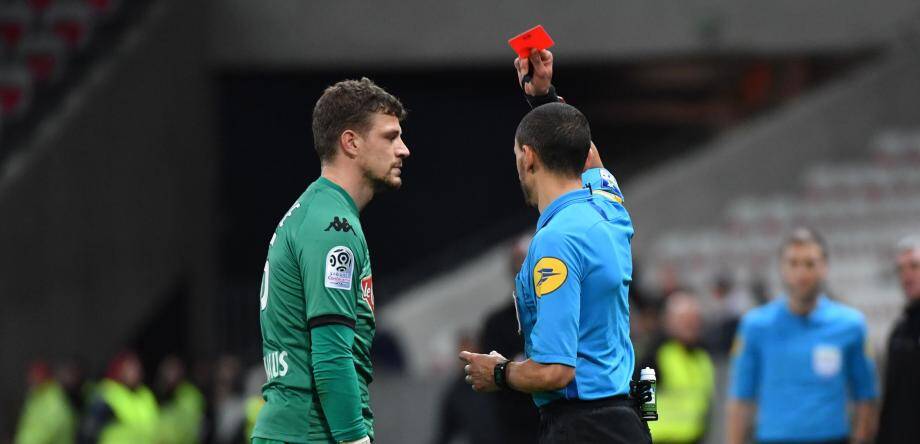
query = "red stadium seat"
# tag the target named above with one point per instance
(44, 55)
(70, 22)
(14, 23)
(102, 7)
(15, 90)
(40, 6)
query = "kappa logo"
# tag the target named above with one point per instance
(340, 225)
(548, 275)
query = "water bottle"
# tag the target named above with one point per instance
(649, 409)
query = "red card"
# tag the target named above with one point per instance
(534, 38)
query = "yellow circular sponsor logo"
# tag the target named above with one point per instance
(548, 275)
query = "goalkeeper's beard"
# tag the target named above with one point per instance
(383, 183)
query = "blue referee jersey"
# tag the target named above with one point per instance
(572, 292)
(800, 370)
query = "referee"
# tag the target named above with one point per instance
(798, 361)
(571, 292)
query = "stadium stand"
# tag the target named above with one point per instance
(15, 90)
(861, 207)
(15, 20)
(44, 55)
(40, 42)
(120, 143)
(72, 23)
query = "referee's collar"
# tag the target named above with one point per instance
(560, 203)
(820, 305)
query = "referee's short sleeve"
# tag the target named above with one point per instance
(557, 286)
(861, 375)
(745, 363)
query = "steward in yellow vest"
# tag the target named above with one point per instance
(182, 406)
(686, 378)
(47, 416)
(123, 410)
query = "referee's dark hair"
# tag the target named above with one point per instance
(349, 104)
(804, 235)
(560, 136)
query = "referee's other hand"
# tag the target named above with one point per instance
(480, 370)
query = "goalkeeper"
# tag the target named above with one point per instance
(317, 298)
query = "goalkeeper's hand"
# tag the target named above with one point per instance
(365, 440)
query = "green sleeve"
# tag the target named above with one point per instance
(336, 381)
(330, 263)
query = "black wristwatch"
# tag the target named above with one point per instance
(500, 373)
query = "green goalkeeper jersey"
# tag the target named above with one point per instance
(318, 272)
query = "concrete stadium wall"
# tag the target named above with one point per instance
(111, 205)
(355, 33)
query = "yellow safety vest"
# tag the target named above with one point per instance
(47, 417)
(181, 417)
(253, 406)
(684, 391)
(136, 414)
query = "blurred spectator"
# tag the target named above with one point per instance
(759, 291)
(72, 377)
(518, 420)
(228, 401)
(123, 410)
(181, 405)
(686, 379)
(255, 378)
(645, 320)
(730, 305)
(797, 359)
(386, 353)
(48, 416)
(900, 412)
(465, 416)
(201, 373)
(668, 279)
(644, 311)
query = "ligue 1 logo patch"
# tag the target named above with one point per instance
(340, 264)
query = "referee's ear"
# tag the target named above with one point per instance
(528, 159)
